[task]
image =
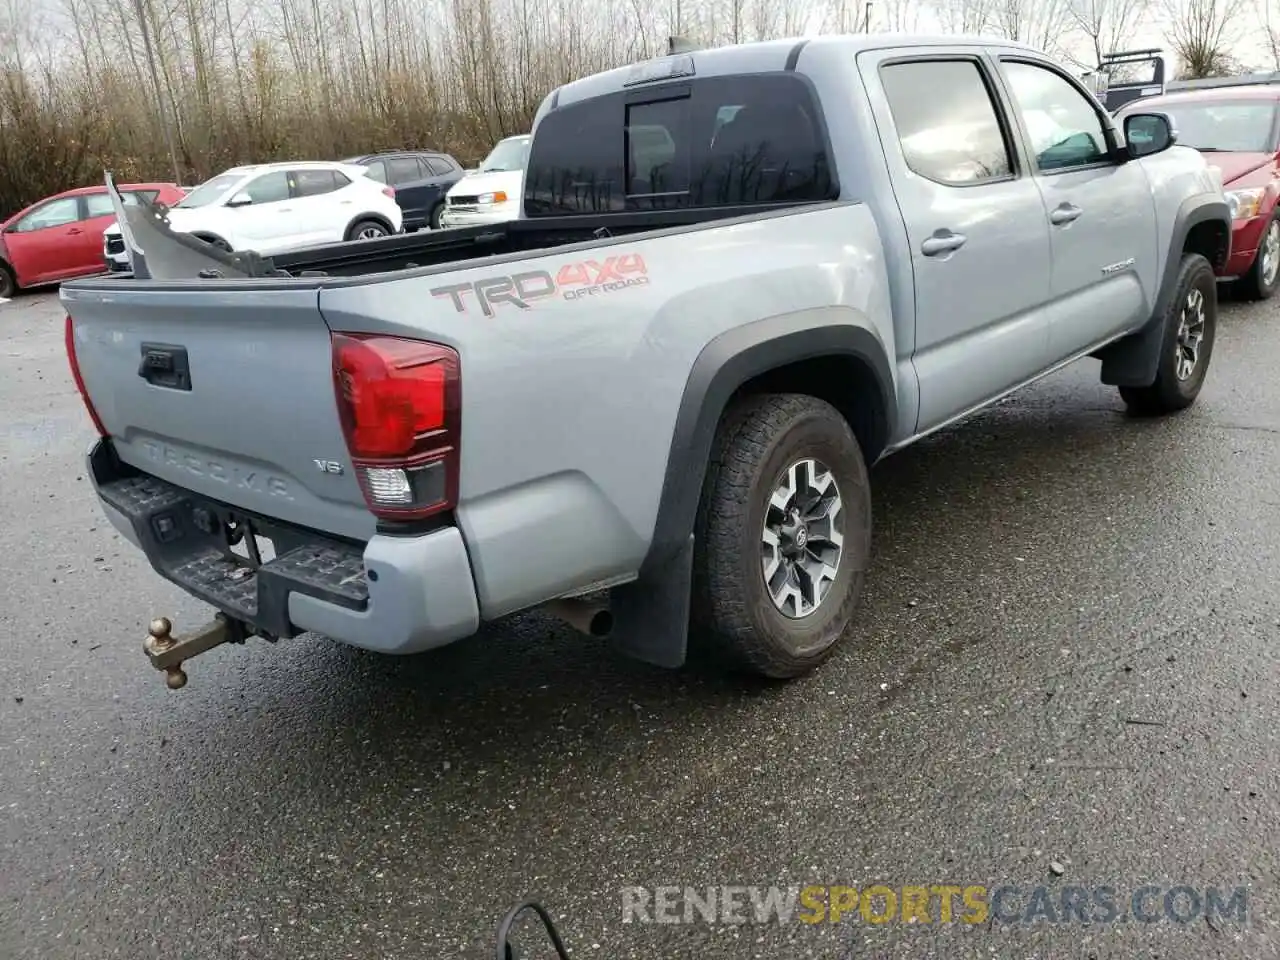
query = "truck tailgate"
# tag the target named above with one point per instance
(254, 421)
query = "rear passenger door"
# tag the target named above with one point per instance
(1099, 209)
(975, 222)
(318, 213)
(413, 189)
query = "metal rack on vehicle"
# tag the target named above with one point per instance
(1114, 94)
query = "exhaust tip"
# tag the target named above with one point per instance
(594, 620)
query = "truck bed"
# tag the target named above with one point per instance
(449, 247)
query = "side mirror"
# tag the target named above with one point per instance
(241, 199)
(1147, 134)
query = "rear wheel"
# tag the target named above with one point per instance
(783, 536)
(8, 285)
(367, 230)
(436, 211)
(1190, 323)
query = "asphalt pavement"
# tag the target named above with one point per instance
(1063, 675)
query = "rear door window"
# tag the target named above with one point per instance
(313, 183)
(403, 170)
(947, 121)
(99, 205)
(718, 141)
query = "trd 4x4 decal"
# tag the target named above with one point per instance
(573, 281)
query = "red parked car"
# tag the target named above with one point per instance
(1238, 131)
(60, 237)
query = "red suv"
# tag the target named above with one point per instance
(1238, 131)
(61, 236)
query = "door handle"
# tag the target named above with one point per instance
(344, 203)
(285, 210)
(1065, 213)
(73, 231)
(943, 241)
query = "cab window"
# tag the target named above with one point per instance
(1064, 127)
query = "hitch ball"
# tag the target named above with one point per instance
(167, 652)
(159, 640)
(159, 634)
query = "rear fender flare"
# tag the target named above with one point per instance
(651, 613)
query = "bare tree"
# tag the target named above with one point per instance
(1108, 24)
(1202, 34)
(965, 16)
(1041, 23)
(1266, 14)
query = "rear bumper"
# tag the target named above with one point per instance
(395, 595)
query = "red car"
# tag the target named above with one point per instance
(61, 236)
(1238, 131)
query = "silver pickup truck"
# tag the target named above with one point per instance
(741, 277)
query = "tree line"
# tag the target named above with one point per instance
(158, 89)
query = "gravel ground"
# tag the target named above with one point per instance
(1064, 674)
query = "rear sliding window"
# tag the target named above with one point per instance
(712, 142)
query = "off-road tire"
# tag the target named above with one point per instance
(8, 285)
(733, 616)
(1169, 393)
(362, 225)
(1255, 285)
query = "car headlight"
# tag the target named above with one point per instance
(1245, 204)
(498, 197)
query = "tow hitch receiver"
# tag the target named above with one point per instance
(167, 652)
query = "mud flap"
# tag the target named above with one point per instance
(651, 614)
(1132, 361)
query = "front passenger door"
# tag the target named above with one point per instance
(268, 222)
(979, 242)
(1099, 210)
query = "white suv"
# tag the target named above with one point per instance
(274, 207)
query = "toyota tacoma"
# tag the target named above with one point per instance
(740, 277)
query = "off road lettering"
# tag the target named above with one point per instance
(594, 273)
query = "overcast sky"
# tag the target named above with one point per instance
(1249, 44)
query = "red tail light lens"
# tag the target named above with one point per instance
(399, 402)
(390, 192)
(79, 380)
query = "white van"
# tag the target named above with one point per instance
(490, 194)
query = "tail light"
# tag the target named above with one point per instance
(390, 192)
(400, 405)
(75, 375)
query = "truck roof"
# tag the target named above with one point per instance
(765, 55)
